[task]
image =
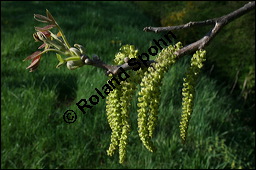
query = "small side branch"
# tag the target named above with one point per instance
(179, 27)
(229, 17)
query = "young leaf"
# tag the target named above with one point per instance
(49, 15)
(61, 61)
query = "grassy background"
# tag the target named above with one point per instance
(34, 134)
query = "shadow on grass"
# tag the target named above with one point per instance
(65, 86)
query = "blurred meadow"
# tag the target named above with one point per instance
(33, 133)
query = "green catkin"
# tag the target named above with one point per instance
(188, 91)
(118, 103)
(149, 95)
(113, 115)
(114, 108)
(124, 101)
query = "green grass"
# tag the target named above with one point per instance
(34, 134)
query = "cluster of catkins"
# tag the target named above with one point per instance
(149, 95)
(118, 101)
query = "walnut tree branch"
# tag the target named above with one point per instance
(218, 23)
(229, 17)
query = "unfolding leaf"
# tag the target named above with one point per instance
(59, 34)
(46, 33)
(49, 15)
(42, 46)
(34, 64)
(48, 27)
(42, 35)
(59, 58)
(57, 44)
(61, 61)
(35, 36)
(42, 18)
(34, 55)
